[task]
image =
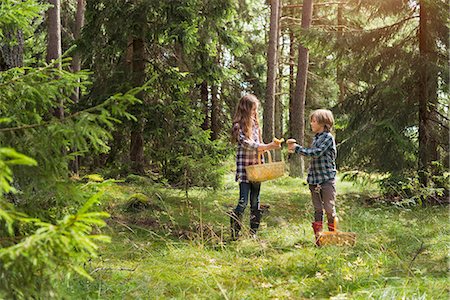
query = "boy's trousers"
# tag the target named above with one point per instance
(324, 198)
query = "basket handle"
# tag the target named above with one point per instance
(261, 154)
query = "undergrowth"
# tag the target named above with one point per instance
(179, 247)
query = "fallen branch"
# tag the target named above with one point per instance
(420, 250)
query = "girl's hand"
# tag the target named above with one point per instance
(275, 145)
(278, 141)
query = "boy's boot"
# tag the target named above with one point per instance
(235, 222)
(332, 226)
(317, 227)
(255, 219)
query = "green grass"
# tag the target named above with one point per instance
(179, 249)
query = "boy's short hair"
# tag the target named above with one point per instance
(323, 117)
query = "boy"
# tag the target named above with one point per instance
(322, 170)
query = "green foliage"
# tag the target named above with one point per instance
(30, 263)
(377, 56)
(405, 190)
(8, 158)
(185, 154)
(184, 40)
(29, 95)
(17, 14)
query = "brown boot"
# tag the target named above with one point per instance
(317, 227)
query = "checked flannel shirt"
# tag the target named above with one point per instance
(247, 152)
(323, 164)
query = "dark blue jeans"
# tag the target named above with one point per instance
(245, 189)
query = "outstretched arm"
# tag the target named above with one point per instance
(316, 151)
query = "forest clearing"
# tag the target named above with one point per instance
(159, 250)
(224, 149)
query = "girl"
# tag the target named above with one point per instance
(322, 169)
(247, 134)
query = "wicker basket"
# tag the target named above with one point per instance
(265, 171)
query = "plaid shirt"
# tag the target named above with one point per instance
(323, 164)
(247, 152)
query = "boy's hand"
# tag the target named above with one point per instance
(290, 141)
(291, 145)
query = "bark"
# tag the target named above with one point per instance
(205, 104)
(11, 54)
(54, 43)
(298, 105)
(278, 96)
(54, 30)
(339, 76)
(76, 66)
(269, 104)
(76, 60)
(291, 78)
(427, 98)
(215, 112)
(137, 139)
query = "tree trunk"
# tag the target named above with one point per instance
(76, 67)
(298, 105)
(76, 60)
(269, 104)
(427, 98)
(291, 79)
(278, 96)
(54, 42)
(137, 139)
(11, 55)
(215, 112)
(54, 30)
(339, 76)
(205, 104)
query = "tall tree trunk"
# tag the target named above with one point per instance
(269, 104)
(76, 60)
(215, 112)
(137, 139)
(54, 42)
(278, 96)
(204, 98)
(298, 105)
(291, 79)
(11, 54)
(76, 66)
(339, 76)
(215, 101)
(427, 97)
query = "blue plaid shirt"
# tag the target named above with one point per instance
(247, 152)
(323, 164)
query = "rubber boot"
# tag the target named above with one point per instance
(317, 227)
(235, 222)
(255, 219)
(332, 226)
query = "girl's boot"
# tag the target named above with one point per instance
(317, 227)
(235, 222)
(255, 219)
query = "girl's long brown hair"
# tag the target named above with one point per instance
(243, 117)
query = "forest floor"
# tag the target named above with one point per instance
(166, 245)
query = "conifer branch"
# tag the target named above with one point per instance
(439, 123)
(30, 126)
(440, 114)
